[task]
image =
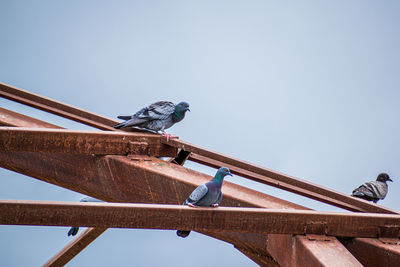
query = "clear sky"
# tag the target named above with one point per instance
(309, 88)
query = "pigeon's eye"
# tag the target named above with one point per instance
(225, 170)
(182, 105)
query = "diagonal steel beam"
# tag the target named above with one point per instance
(170, 217)
(83, 142)
(75, 247)
(56, 107)
(11, 118)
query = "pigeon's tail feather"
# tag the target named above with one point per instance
(182, 233)
(120, 125)
(73, 231)
(124, 117)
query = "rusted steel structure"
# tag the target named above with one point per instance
(119, 166)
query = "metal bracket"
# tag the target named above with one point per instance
(318, 237)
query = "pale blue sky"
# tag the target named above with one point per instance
(309, 88)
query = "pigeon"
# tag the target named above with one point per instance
(374, 190)
(74, 230)
(157, 117)
(206, 195)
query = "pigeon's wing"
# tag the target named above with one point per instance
(363, 190)
(372, 190)
(197, 194)
(160, 110)
(378, 189)
(157, 111)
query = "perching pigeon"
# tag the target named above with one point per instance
(208, 194)
(375, 190)
(74, 230)
(157, 117)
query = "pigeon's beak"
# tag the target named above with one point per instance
(230, 174)
(390, 180)
(188, 109)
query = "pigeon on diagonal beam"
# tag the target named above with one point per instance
(374, 190)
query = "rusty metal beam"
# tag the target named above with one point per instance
(75, 247)
(11, 118)
(56, 107)
(82, 142)
(277, 179)
(309, 250)
(169, 217)
(373, 252)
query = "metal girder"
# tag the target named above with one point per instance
(11, 118)
(56, 107)
(169, 217)
(83, 142)
(76, 246)
(309, 251)
(372, 252)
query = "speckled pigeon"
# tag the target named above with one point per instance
(207, 195)
(157, 117)
(74, 230)
(374, 190)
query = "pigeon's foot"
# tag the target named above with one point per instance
(191, 205)
(169, 136)
(215, 205)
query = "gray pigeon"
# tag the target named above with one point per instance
(207, 195)
(157, 117)
(74, 230)
(374, 190)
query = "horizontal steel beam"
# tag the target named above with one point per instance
(83, 142)
(277, 179)
(155, 216)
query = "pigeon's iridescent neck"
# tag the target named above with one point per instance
(218, 178)
(178, 115)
